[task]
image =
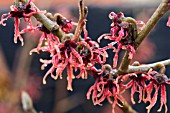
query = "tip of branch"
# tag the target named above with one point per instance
(81, 2)
(85, 11)
(26, 101)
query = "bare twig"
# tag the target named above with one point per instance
(146, 67)
(27, 103)
(82, 19)
(127, 108)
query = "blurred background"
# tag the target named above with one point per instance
(20, 71)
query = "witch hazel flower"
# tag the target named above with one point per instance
(157, 81)
(66, 56)
(148, 85)
(19, 11)
(92, 53)
(123, 32)
(48, 41)
(137, 85)
(105, 88)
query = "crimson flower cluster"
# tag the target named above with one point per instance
(68, 53)
(72, 55)
(19, 11)
(122, 32)
(106, 87)
(147, 83)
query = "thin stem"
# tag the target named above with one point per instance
(157, 15)
(127, 108)
(146, 67)
(82, 20)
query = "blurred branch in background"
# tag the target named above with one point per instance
(12, 82)
(100, 3)
(27, 103)
(70, 102)
(23, 62)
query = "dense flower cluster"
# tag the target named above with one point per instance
(81, 54)
(147, 83)
(136, 83)
(19, 11)
(123, 32)
(106, 88)
(72, 55)
(157, 81)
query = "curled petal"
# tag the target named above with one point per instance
(104, 35)
(32, 13)
(70, 77)
(38, 48)
(121, 34)
(163, 98)
(153, 100)
(112, 15)
(140, 92)
(133, 90)
(115, 59)
(89, 92)
(28, 29)
(113, 105)
(82, 74)
(4, 18)
(48, 72)
(45, 63)
(17, 32)
(148, 90)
